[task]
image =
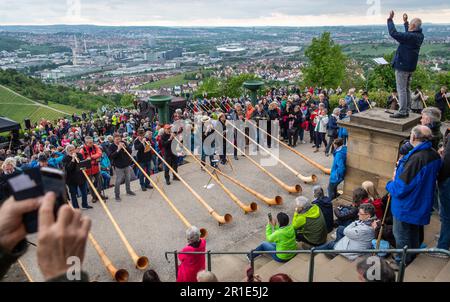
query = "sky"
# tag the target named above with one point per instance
(218, 12)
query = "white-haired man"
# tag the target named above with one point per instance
(405, 59)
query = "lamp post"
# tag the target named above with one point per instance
(253, 86)
(161, 102)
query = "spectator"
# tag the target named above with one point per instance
(280, 278)
(121, 162)
(375, 269)
(412, 190)
(9, 170)
(309, 222)
(325, 205)
(280, 236)
(441, 100)
(75, 179)
(55, 240)
(191, 264)
(364, 103)
(338, 168)
(444, 198)
(320, 130)
(348, 213)
(150, 276)
(206, 277)
(373, 198)
(332, 131)
(357, 235)
(392, 101)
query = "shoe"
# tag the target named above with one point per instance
(94, 200)
(131, 193)
(399, 115)
(168, 182)
(303, 142)
(333, 236)
(149, 186)
(176, 179)
(118, 199)
(236, 158)
(437, 236)
(327, 154)
(87, 208)
(317, 150)
(144, 189)
(248, 258)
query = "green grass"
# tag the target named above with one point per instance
(166, 83)
(18, 108)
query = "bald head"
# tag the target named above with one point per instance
(415, 24)
(420, 134)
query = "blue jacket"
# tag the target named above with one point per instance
(338, 168)
(412, 191)
(407, 54)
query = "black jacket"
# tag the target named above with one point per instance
(120, 159)
(445, 170)
(74, 176)
(143, 156)
(326, 206)
(346, 213)
(167, 146)
(4, 188)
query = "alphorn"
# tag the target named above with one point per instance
(306, 179)
(141, 262)
(423, 100)
(448, 103)
(246, 208)
(313, 163)
(356, 104)
(25, 271)
(291, 189)
(269, 201)
(120, 275)
(203, 232)
(227, 218)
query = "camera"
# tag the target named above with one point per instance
(34, 183)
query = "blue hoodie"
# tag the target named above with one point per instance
(338, 168)
(412, 191)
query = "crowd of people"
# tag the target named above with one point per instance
(114, 140)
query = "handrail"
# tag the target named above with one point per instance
(313, 252)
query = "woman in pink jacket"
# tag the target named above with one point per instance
(191, 264)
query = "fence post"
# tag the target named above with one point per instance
(208, 259)
(175, 253)
(311, 265)
(252, 262)
(401, 273)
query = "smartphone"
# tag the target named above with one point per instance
(270, 217)
(35, 183)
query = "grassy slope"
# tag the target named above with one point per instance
(169, 82)
(18, 108)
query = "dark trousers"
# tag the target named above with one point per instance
(312, 135)
(98, 183)
(173, 162)
(143, 181)
(332, 190)
(73, 190)
(330, 146)
(293, 136)
(320, 137)
(406, 234)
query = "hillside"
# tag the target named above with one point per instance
(18, 108)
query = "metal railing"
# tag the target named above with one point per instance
(313, 252)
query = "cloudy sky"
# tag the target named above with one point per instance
(218, 12)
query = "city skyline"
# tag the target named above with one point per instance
(201, 13)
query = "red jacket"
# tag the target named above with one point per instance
(95, 153)
(191, 264)
(378, 204)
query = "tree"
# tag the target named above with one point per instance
(211, 86)
(326, 67)
(383, 76)
(233, 86)
(127, 100)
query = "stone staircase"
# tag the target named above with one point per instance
(232, 268)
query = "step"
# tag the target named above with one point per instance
(297, 268)
(268, 270)
(329, 271)
(424, 269)
(444, 275)
(350, 274)
(229, 268)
